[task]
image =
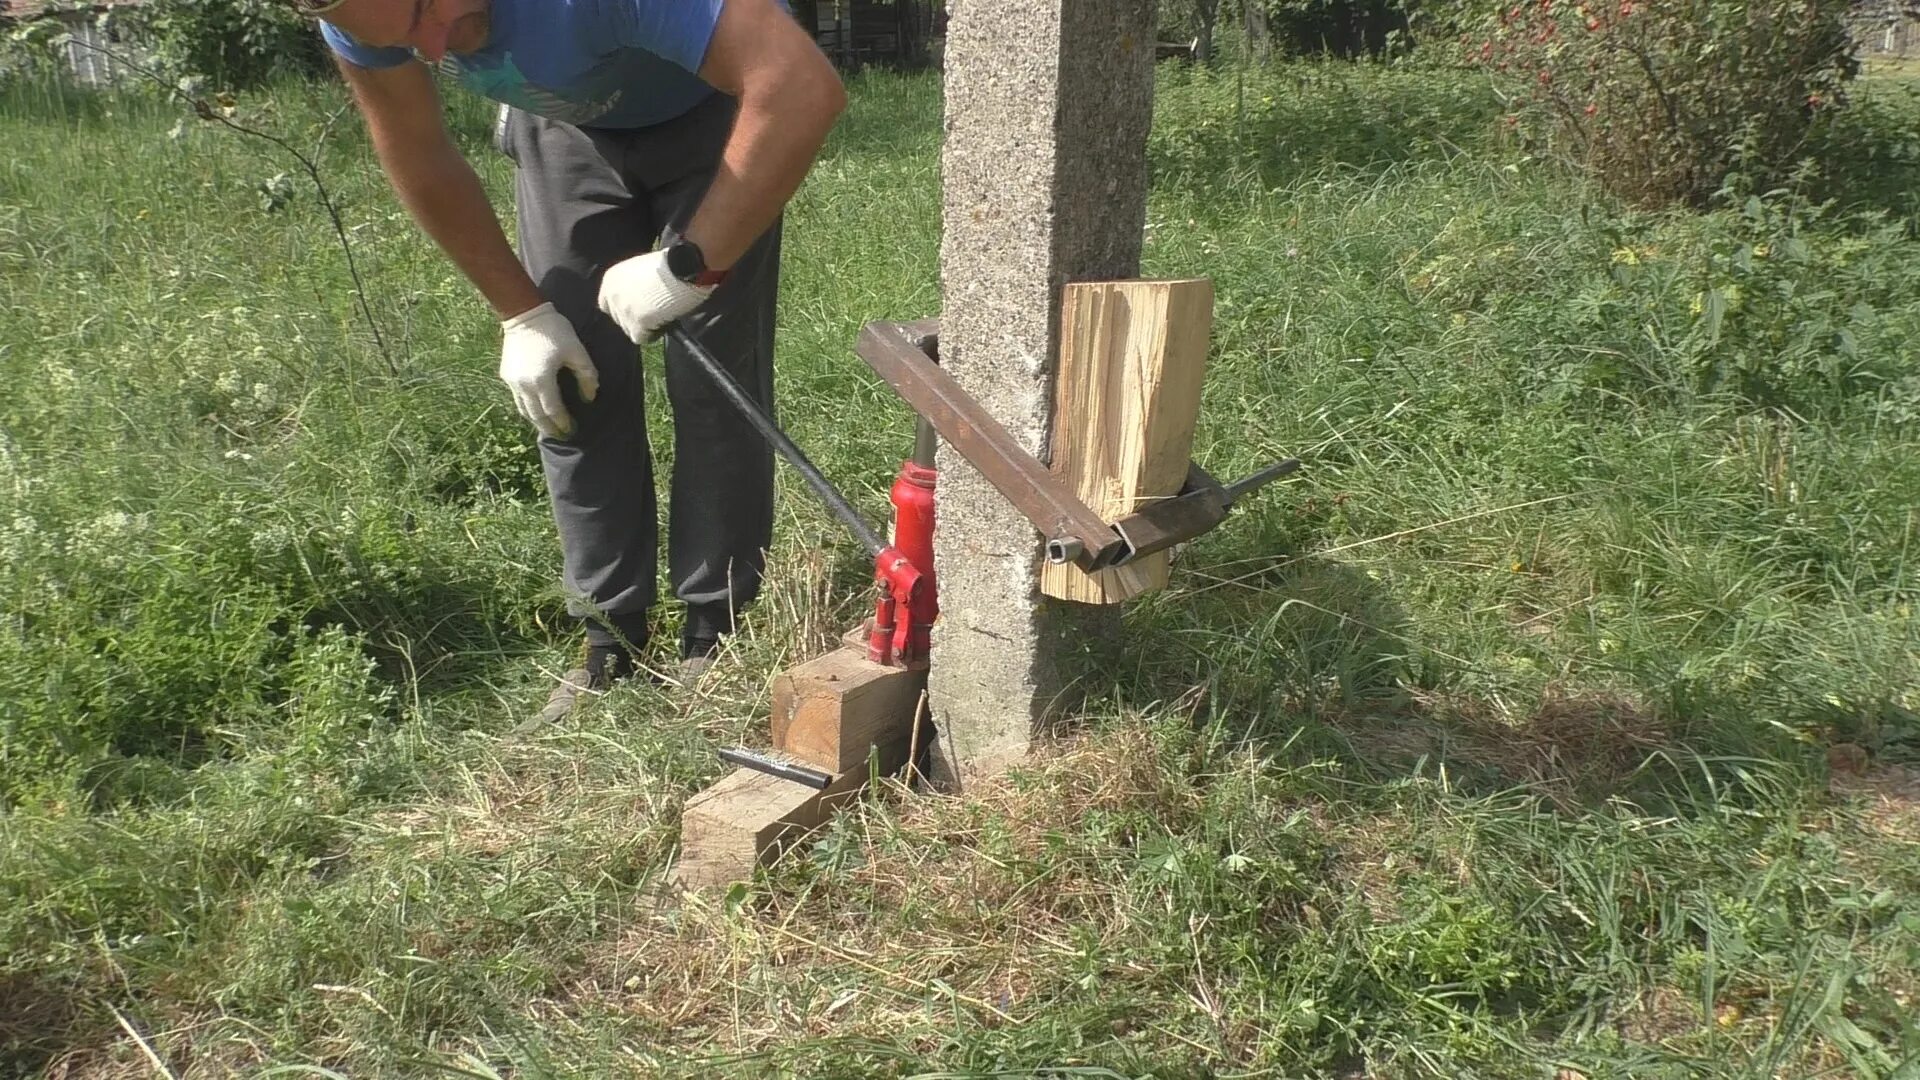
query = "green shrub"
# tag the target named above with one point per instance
(1776, 302)
(31, 51)
(115, 651)
(236, 43)
(1662, 102)
(1869, 152)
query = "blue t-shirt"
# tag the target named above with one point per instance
(597, 63)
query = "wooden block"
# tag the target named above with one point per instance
(856, 638)
(1133, 357)
(829, 711)
(748, 817)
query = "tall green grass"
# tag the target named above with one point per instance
(1497, 744)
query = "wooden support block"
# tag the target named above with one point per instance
(749, 817)
(856, 638)
(746, 819)
(1133, 356)
(830, 711)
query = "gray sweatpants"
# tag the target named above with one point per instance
(586, 199)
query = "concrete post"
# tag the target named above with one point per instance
(1048, 103)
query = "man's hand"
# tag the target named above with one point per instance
(643, 295)
(535, 347)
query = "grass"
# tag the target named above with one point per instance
(1560, 719)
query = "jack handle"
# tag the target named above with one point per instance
(891, 567)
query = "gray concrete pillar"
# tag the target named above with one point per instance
(1048, 103)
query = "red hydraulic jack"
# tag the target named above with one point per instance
(893, 639)
(903, 617)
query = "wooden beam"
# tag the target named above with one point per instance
(1133, 356)
(831, 711)
(748, 818)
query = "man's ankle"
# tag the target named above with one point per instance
(707, 623)
(608, 664)
(698, 646)
(612, 646)
(705, 626)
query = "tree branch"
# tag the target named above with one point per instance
(207, 111)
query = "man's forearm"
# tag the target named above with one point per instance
(774, 142)
(441, 191)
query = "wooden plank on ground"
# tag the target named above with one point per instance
(1133, 357)
(830, 711)
(746, 819)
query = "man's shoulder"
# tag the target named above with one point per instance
(358, 54)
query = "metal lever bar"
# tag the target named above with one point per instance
(902, 581)
(772, 766)
(795, 456)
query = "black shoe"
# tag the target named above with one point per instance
(604, 666)
(696, 656)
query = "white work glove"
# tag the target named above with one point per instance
(534, 348)
(643, 296)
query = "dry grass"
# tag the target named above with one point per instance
(1569, 745)
(962, 904)
(1886, 798)
(1658, 1016)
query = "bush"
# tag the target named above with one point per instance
(1869, 152)
(1662, 102)
(1344, 28)
(236, 43)
(30, 51)
(1773, 303)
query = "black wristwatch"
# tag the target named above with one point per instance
(687, 262)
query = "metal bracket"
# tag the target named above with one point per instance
(1200, 507)
(906, 356)
(897, 353)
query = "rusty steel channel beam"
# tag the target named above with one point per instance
(906, 355)
(924, 334)
(1199, 507)
(900, 353)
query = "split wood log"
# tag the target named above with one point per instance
(1133, 356)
